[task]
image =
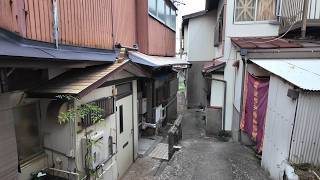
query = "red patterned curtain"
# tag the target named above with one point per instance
(255, 108)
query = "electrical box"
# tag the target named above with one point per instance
(94, 149)
(142, 106)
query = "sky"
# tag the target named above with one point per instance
(190, 6)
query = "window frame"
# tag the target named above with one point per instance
(255, 21)
(166, 22)
(36, 105)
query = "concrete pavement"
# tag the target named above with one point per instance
(201, 158)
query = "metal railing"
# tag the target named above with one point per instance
(292, 13)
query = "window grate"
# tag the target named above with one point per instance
(107, 107)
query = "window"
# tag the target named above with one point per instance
(26, 120)
(123, 90)
(153, 7)
(121, 118)
(254, 10)
(163, 12)
(173, 19)
(107, 106)
(168, 15)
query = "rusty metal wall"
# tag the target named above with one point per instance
(124, 18)
(305, 147)
(161, 39)
(39, 20)
(142, 25)
(8, 12)
(86, 23)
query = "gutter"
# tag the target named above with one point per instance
(224, 99)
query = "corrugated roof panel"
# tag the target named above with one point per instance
(303, 73)
(155, 61)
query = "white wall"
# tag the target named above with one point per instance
(278, 128)
(230, 54)
(217, 91)
(201, 37)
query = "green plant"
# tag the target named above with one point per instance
(81, 111)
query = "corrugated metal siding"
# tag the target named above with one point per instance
(86, 23)
(142, 26)
(8, 15)
(125, 22)
(278, 128)
(161, 39)
(305, 146)
(39, 20)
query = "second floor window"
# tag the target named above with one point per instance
(163, 12)
(254, 10)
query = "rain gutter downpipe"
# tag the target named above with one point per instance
(224, 99)
(243, 53)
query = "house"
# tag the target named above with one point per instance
(83, 49)
(198, 41)
(284, 86)
(261, 57)
(265, 109)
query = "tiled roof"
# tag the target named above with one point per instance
(270, 43)
(82, 81)
(213, 65)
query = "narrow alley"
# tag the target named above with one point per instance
(200, 158)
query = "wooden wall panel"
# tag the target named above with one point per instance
(161, 39)
(142, 26)
(125, 22)
(86, 23)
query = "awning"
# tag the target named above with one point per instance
(80, 82)
(213, 66)
(303, 73)
(14, 46)
(155, 61)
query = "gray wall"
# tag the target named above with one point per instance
(196, 85)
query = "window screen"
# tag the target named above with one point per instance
(255, 10)
(26, 119)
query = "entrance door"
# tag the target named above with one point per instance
(125, 134)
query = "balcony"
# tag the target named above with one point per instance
(292, 12)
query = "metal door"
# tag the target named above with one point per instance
(125, 134)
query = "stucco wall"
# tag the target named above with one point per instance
(230, 55)
(196, 85)
(201, 37)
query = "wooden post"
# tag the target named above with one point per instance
(304, 19)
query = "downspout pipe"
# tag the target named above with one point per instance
(224, 98)
(243, 53)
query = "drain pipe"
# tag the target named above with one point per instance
(243, 54)
(224, 98)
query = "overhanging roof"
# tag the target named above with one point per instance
(213, 66)
(14, 46)
(212, 4)
(303, 73)
(80, 82)
(155, 61)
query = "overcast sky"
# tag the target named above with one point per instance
(190, 6)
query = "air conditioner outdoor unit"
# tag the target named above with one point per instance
(94, 149)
